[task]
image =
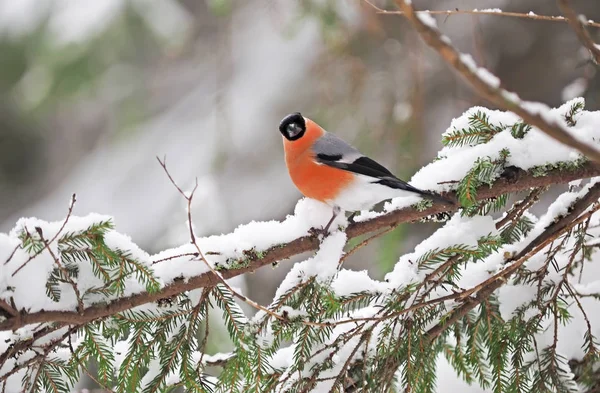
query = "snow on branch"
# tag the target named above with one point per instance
(77, 290)
(577, 23)
(488, 12)
(488, 85)
(511, 181)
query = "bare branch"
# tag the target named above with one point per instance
(191, 254)
(520, 207)
(7, 310)
(531, 15)
(481, 81)
(577, 24)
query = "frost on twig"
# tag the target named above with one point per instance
(489, 291)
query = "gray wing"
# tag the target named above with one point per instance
(333, 151)
(334, 148)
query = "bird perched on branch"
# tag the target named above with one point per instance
(325, 168)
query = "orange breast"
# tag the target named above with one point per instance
(320, 182)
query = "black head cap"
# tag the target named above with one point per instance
(293, 126)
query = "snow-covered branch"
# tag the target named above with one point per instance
(511, 181)
(76, 290)
(488, 85)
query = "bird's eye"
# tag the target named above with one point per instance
(293, 129)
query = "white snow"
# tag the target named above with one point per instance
(217, 357)
(323, 265)
(535, 149)
(427, 19)
(488, 10)
(27, 288)
(483, 74)
(458, 230)
(348, 282)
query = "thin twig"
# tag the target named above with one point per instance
(31, 257)
(66, 276)
(188, 198)
(522, 15)
(520, 207)
(364, 243)
(187, 254)
(201, 303)
(12, 254)
(577, 23)
(216, 274)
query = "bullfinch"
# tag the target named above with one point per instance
(325, 168)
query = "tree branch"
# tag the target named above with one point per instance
(513, 180)
(481, 293)
(488, 86)
(577, 24)
(486, 289)
(521, 15)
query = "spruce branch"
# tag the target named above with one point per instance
(65, 274)
(479, 80)
(33, 256)
(512, 180)
(579, 214)
(520, 207)
(222, 281)
(39, 357)
(482, 291)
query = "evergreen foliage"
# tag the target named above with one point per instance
(314, 337)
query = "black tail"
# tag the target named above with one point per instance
(394, 182)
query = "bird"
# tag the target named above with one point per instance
(326, 168)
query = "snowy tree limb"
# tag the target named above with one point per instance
(493, 283)
(512, 180)
(471, 298)
(488, 85)
(577, 24)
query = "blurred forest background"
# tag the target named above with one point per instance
(92, 91)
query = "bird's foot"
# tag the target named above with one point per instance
(351, 218)
(319, 232)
